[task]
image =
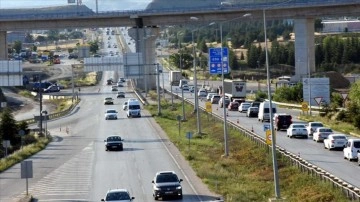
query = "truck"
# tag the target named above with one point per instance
(174, 78)
(234, 89)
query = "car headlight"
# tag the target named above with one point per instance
(178, 187)
(157, 188)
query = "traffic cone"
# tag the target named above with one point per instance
(252, 129)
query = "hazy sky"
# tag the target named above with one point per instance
(103, 5)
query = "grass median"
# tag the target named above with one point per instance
(247, 174)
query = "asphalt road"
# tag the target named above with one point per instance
(76, 167)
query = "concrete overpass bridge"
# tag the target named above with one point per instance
(159, 13)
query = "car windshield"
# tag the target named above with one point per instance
(114, 138)
(111, 111)
(134, 106)
(357, 144)
(166, 178)
(317, 125)
(298, 126)
(325, 130)
(108, 98)
(339, 137)
(117, 196)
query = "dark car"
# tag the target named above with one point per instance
(166, 183)
(233, 106)
(282, 121)
(255, 104)
(252, 112)
(114, 143)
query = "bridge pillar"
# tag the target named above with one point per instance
(3, 46)
(304, 48)
(145, 44)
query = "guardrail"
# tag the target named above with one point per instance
(348, 189)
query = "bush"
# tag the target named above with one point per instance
(357, 121)
(341, 116)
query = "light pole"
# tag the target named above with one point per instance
(226, 147)
(158, 87)
(273, 143)
(181, 71)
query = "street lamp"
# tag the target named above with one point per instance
(273, 143)
(223, 83)
(181, 70)
(45, 118)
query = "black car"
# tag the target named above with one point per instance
(167, 183)
(114, 143)
(255, 104)
(282, 121)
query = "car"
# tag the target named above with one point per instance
(114, 88)
(215, 99)
(114, 143)
(209, 96)
(118, 195)
(120, 95)
(297, 130)
(166, 183)
(125, 105)
(233, 106)
(109, 82)
(110, 114)
(239, 101)
(335, 141)
(243, 107)
(227, 102)
(282, 121)
(352, 149)
(202, 92)
(108, 101)
(119, 84)
(52, 88)
(252, 112)
(312, 126)
(321, 133)
(185, 87)
(121, 79)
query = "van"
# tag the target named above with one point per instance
(264, 111)
(133, 108)
(351, 150)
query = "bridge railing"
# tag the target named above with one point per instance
(303, 165)
(246, 5)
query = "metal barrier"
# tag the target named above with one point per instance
(349, 190)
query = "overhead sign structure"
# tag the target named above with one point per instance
(11, 73)
(217, 65)
(316, 87)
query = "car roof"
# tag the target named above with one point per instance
(165, 172)
(117, 190)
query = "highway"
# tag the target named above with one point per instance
(76, 167)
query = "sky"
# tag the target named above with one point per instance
(103, 5)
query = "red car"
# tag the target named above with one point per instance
(233, 106)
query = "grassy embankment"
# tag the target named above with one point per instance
(247, 174)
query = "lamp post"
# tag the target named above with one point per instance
(273, 143)
(158, 87)
(226, 147)
(46, 118)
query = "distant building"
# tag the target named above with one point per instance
(336, 26)
(15, 36)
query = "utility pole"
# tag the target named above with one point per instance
(40, 99)
(158, 88)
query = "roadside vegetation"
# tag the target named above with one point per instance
(247, 174)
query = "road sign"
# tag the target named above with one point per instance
(188, 135)
(344, 96)
(208, 107)
(216, 63)
(318, 100)
(268, 137)
(304, 106)
(266, 127)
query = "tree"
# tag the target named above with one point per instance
(94, 47)
(9, 128)
(29, 38)
(17, 46)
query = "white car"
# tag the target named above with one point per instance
(118, 195)
(312, 126)
(321, 133)
(244, 106)
(352, 149)
(202, 92)
(110, 114)
(297, 130)
(209, 96)
(334, 141)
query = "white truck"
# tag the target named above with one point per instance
(174, 78)
(235, 89)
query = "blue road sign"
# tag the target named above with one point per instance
(216, 64)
